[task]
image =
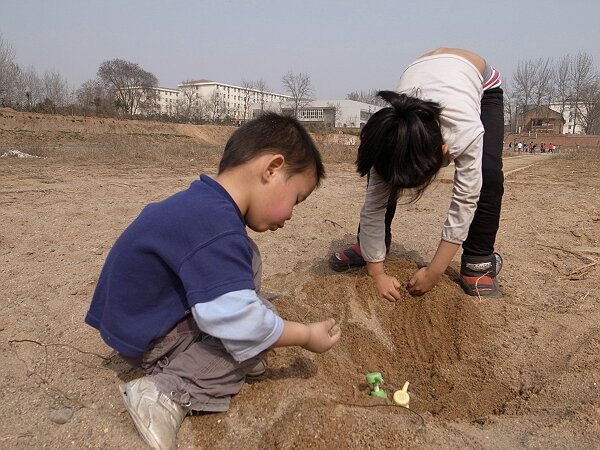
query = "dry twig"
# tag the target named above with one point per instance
(335, 224)
(42, 344)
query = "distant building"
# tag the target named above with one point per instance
(569, 117)
(166, 101)
(221, 100)
(541, 119)
(214, 101)
(149, 101)
(335, 113)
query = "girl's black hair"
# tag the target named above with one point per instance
(403, 143)
(273, 133)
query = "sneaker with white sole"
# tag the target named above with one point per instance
(258, 370)
(478, 275)
(156, 417)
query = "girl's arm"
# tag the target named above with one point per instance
(465, 192)
(372, 218)
(372, 235)
(427, 277)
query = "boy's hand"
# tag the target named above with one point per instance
(319, 338)
(423, 281)
(387, 286)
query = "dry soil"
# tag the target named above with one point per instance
(522, 371)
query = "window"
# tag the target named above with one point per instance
(365, 115)
(311, 114)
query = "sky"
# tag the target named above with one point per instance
(344, 46)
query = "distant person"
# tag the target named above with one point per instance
(520, 147)
(178, 296)
(445, 102)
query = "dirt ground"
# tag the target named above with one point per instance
(522, 371)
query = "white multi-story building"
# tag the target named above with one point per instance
(570, 127)
(149, 100)
(221, 99)
(166, 99)
(205, 99)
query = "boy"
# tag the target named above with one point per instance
(177, 296)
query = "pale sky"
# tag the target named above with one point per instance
(344, 46)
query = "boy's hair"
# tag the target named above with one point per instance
(403, 142)
(273, 133)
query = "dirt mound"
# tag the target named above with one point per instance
(24, 123)
(438, 343)
(49, 128)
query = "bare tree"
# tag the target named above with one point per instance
(56, 89)
(215, 106)
(582, 76)
(129, 82)
(338, 115)
(510, 110)
(299, 87)
(247, 91)
(261, 86)
(188, 93)
(92, 97)
(9, 74)
(561, 83)
(524, 83)
(543, 81)
(590, 108)
(200, 109)
(369, 97)
(33, 87)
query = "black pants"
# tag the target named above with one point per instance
(482, 232)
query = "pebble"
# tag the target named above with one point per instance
(61, 416)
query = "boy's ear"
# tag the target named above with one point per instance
(445, 149)
(274, 164)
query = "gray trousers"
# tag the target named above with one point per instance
(192, 367)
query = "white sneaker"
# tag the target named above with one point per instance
(156, 417)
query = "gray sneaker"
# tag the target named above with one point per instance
(258, 370)
(156, 417)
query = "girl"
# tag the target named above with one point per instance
(448, 107)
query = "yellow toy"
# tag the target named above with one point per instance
(401, 397)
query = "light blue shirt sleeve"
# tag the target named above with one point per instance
(242, 321)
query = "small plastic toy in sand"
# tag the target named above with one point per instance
(375, 379)
(401, 397)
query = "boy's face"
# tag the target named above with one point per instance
(273, 207)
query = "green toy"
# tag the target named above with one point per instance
(375, 379)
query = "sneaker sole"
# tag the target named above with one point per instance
(481, 291)
(341, 266)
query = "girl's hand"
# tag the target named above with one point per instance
(322, 336)
(423, 281)
(387, 286)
